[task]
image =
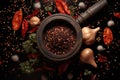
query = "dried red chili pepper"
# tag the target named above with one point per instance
(1, 62)
(17, 20)
(38, 69)
(35, 12)
(62, 7)
(117, 14)
(59, 7)
(44, 68)
(107, 36)
(24, 27)
(32, 55)
(48, 68)
(49, 13)
(33, 29)
(63, 67)
(102, 58)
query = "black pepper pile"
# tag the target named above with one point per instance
(33, 66)
(59, 39)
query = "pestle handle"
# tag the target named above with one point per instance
(91, 11)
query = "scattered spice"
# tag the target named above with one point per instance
(59, 40)
(24, 27)
(17, 20)
(107, 36)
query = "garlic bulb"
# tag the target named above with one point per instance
(87, 56)
(89, 35)
(34, 21)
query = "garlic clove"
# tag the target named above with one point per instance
(87, 56)
(100, 48)
(89, 35)
(34, 21)
(110, 23)
(15, 58)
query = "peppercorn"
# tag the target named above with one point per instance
(59, 40)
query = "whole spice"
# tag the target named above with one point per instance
(17, 20)
(107, 36)
(62, 7)
(24, 27)
(59, 39)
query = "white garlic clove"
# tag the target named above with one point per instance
(100, 48)
(110, 23)
(37, 5)
(15, 58)
(82, 5)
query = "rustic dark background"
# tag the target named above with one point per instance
(12, 45)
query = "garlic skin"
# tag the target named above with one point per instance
(87, 56)
(89, 35)
(34, 21)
